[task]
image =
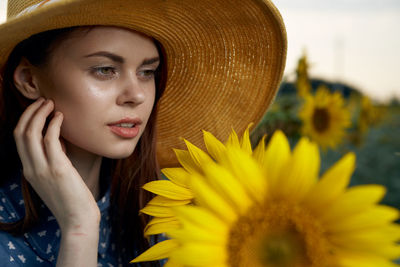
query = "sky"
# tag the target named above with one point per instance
(352, 41)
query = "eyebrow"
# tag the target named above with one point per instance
(150, 61)
(120, 59)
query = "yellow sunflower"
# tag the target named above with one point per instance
(325, 117)
(267, 207)
(303, 84)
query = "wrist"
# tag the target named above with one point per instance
(78, 246)
(88, 225)
(77, 238)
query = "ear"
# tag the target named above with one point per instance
(25, 80)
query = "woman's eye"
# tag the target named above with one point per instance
(147, 74)
(104, 72)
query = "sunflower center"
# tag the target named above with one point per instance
(320, 119)
(277, 235)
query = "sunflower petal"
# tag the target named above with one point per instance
(380, 241)
(157, 211)
(186, 160)
(162, 227)
(157, 220)
(169, 190)
(201, 217)
(190, 232)
(178, 176)
(347, 259)
(199, 156)
(214, 147)
(160, 220)
(164, 201)
(207, 197)
(159, 251)
(301, 172)
(259, 152)
(276, 156)
(355, 200)
(247, 171)
(332, 184)
(171, 263)
(371, 237)
(228, 186)
(195, 254)
(377, 216)
(233, 140)
(245, 141)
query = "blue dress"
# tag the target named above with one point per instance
(39, 246)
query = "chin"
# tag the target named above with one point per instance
(118, 154)
(119, 151)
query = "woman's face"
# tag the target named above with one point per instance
(97, 79)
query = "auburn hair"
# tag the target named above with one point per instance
(127, 175)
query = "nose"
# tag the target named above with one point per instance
(131, 91)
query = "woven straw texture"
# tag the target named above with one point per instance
(225, 58)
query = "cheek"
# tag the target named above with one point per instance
(85, 126)
(83, 114)
(75, 94)
(84, 106)
(147, 107)
(82, 123)
(150, 103)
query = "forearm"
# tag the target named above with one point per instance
(79, 247)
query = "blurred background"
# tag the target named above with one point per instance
(341, 87)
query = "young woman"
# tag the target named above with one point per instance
(80, 102)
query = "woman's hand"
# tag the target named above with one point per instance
(51, 174)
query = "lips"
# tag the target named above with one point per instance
(126, 128)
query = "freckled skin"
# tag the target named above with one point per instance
(91, 98)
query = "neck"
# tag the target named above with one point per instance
(88, 166)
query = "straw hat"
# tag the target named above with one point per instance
(225, 58)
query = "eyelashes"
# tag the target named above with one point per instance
(111, 72)
(147, 74)
(104, 72)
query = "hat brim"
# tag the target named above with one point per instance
(225, 58)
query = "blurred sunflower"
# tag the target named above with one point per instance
(325, 117)
(267, 208)
(303, 84)
(370, 115)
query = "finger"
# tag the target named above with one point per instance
(52, 144)
(34, 137)
(20, 130)
(62, 141)
(26, 116)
